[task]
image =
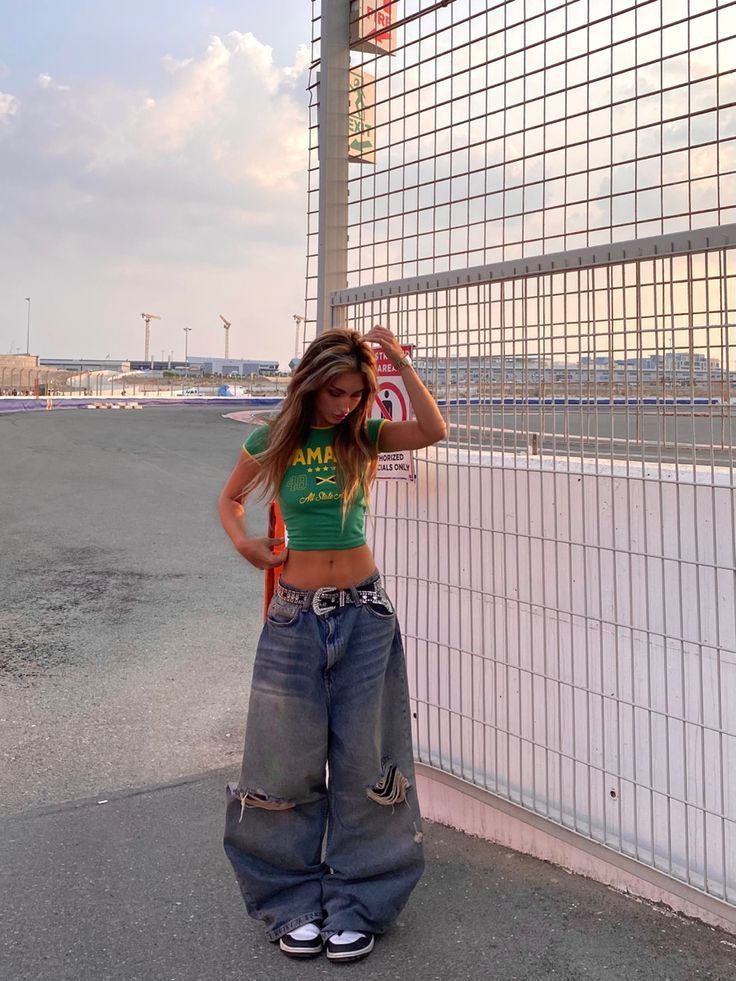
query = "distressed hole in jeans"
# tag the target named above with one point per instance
(257, 798)
(391, 788)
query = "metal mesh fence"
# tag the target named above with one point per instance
(518, 128)
(549, 222)
(564, 564)
(628, 361)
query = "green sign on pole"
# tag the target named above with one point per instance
(362, 117)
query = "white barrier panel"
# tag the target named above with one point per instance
(571, 637)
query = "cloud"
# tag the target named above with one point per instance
(45, 81)
(227, 132)
(190, 192)
(8, 106)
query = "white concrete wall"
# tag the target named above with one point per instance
(571, 636)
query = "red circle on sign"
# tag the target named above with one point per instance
(396, 393)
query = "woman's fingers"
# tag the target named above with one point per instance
(272, 559)
(379, 333)
(259, 552)
(277, 559)
(384, 337)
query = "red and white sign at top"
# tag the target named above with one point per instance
(384, 364)
(371, 26)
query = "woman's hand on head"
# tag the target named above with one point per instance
(384, 337)
(259, 552)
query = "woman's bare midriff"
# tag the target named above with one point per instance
(329, 567)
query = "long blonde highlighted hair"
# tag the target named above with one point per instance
(331, 354)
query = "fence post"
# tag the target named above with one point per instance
(334, 87)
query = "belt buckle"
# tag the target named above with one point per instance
(319, 594)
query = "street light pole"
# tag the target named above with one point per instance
(28, 326)
(186, 350)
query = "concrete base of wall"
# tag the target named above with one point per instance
(451, 801)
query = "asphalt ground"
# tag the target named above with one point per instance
(138, 889)
(127, 627)
(127, 620)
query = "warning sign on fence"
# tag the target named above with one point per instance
(393, 403)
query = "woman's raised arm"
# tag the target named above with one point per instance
(428, 425)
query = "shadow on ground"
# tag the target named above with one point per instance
(137, 888)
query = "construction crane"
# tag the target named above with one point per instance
(148, 317)
(299, 321)
(227, 326)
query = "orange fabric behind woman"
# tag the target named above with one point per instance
(275, 530)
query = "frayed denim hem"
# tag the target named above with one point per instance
(298, 921)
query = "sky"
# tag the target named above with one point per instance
(153, 159)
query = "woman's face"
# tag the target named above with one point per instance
(338, 398)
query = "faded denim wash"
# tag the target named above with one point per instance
(329, 690)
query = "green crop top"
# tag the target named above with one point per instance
(309, 498)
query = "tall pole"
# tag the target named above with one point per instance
(334, 95)
(148, 317)
(299, 319)
(28, 326)
(186, 350)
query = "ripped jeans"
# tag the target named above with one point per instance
(324, 823)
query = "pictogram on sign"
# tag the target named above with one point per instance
(392, 402)
(362, 117)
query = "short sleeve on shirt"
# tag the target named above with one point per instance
(374, 429)
(257, 441)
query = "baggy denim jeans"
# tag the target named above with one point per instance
(324, 823)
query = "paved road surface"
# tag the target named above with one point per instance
(128, 621)
(138, 889)
(127, 626)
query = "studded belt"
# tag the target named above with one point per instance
(328, 598)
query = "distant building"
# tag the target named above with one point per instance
(231, 366)
(204, 366)
(18, 362)
(679, 367)
(84, 364)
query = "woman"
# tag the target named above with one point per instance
(323, 829)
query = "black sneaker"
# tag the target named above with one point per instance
(292, 947)
(350, 952)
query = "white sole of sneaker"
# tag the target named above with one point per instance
(290, 951)
(349, 955)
